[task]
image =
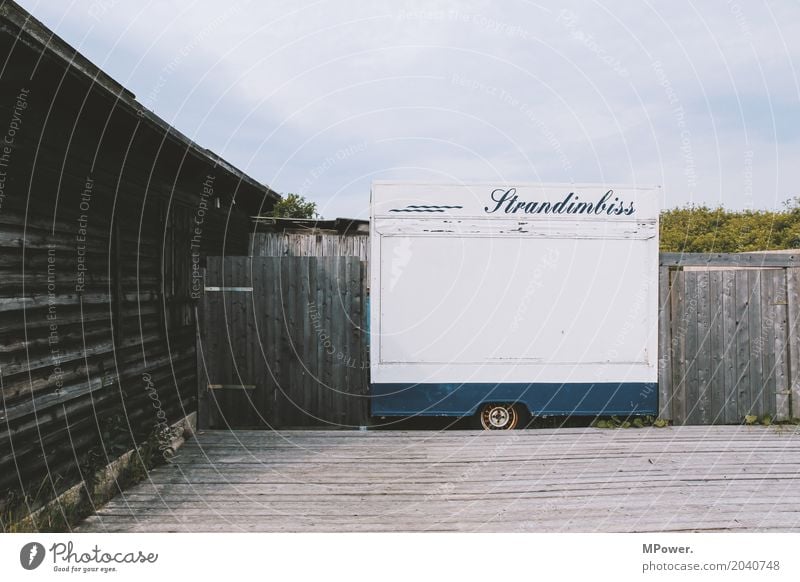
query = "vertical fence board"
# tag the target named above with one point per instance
(274, 310)
(305, 370)
(258, 367)
(728, 343)
(329, 319)
(326, 398)
(216, 361)
(717, 348)
(742, 385)
(729, 364)
(692, 345)
(201, 353)
(779, 400)
(760, 336)
(664, 345)
(732, 338)
(703, 358)
(285, 410)
(248, 341)
(679, 319)
(765, 399)
(793, 334)
(307, 385)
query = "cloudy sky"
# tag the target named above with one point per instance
(323, 97)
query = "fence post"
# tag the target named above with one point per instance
(664, 347)
(793, 330)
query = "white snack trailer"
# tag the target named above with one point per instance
(498, 300)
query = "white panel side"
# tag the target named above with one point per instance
(509, 297)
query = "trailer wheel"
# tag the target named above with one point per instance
(499, 416)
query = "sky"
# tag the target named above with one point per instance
(323, 97)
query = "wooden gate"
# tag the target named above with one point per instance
(282, 343)
(729, 345)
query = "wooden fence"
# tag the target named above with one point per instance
(310, 244)
(729, 338)
(283, 340)
(283, 343)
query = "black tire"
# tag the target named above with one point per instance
(499, 416)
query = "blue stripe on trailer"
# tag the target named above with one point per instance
(558, 399)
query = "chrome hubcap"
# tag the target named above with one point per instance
(499, 416)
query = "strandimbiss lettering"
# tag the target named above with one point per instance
(507, 201)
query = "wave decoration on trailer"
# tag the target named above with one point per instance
(424, 208)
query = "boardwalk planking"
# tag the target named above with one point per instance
(589, 480)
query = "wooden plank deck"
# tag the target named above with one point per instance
(689, 478)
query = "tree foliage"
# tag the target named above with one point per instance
(700, 229)
(294, 206)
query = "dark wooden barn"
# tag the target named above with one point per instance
(106, 215)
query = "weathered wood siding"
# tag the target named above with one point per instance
(98, 211)
(283, 343)
(729, 345)
(292, 244)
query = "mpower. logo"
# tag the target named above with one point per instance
(31, 555)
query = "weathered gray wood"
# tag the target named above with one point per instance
(673, 479)
(679, 330)
(280, 244)
(793, 333)
(780, 399)
(703, 357)
(298, 365)
(716, 345)
(731, 342)
(730, 366)
(732, 260)
(276, 327)
(691, 382)
(726, 343)
(760, 337)
(289, 410)
(763, 392)
(742, 385)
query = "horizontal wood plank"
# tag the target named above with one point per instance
(692, 478)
